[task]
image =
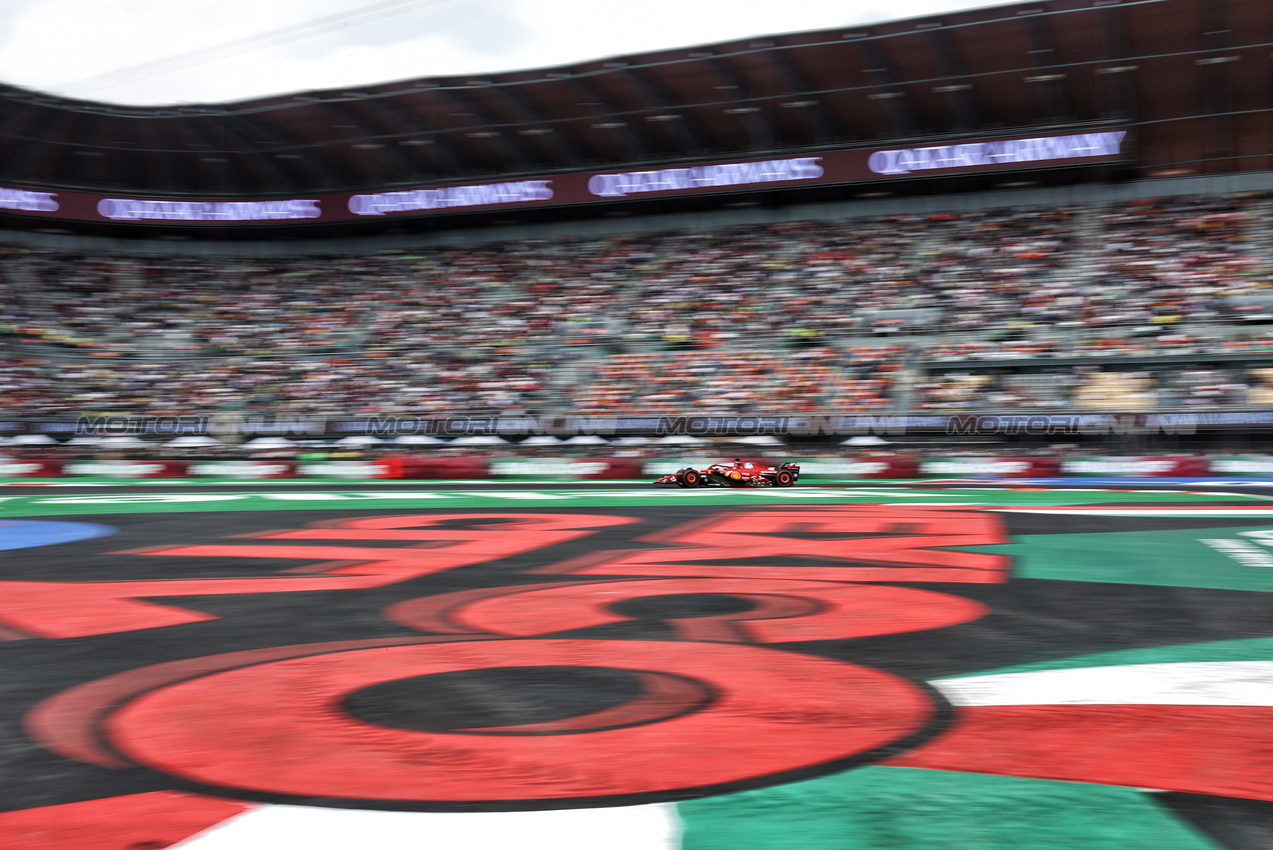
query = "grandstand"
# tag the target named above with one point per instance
(1043, 208)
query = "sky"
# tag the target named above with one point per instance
(153, 52)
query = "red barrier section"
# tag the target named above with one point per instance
(435, 468)
(20, 468)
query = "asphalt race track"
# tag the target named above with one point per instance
(1078, 664)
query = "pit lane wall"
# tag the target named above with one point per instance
(627, 468)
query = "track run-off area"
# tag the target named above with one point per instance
(1072, 663)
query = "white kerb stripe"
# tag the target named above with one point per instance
(651, 827)
(1183, 683)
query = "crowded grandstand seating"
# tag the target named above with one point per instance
(1165, 261)
(415, 384)
(962, 391)
(953, 392)
(1116, 391)
(1088, 389)
(1261, 391)
(1201, 387)
(737, 381)
(859, 315)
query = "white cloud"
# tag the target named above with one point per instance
(48, 44)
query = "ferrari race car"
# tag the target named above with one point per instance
(740, 473)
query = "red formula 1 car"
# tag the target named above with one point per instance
(740, 473)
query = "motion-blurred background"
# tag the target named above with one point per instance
(1037, 228)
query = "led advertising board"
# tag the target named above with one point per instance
(826, 168)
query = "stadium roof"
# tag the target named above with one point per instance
(1190, 78)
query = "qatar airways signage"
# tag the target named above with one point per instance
(140, 209)
(842, 167)
(1042, 149)
(452, 197)
(729, 174)
(25, 201)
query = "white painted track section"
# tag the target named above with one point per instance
(1184, 683)
(652, 827)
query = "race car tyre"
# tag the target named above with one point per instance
(784, 478)
(691, 478)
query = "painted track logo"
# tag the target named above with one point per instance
(496, 660)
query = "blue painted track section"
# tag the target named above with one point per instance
(25, 534)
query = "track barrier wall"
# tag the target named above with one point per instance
(627, 468)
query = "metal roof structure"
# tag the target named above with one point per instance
(1189, 78)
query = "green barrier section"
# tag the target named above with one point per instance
(896, 808)
(1217, 558)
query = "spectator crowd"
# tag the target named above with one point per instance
(796, 317)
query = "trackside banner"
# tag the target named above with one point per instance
(18, 468)
(1136, 467)
(1252, 465)
(847, 467)
(125, 468)
(987, 467)
(582, 468)
(344, 469)
(242, 469)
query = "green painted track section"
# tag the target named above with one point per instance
(1178, 558)
(51, 503)
(898, 808)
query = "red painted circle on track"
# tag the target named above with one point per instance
(278, 727)
(834, 611)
